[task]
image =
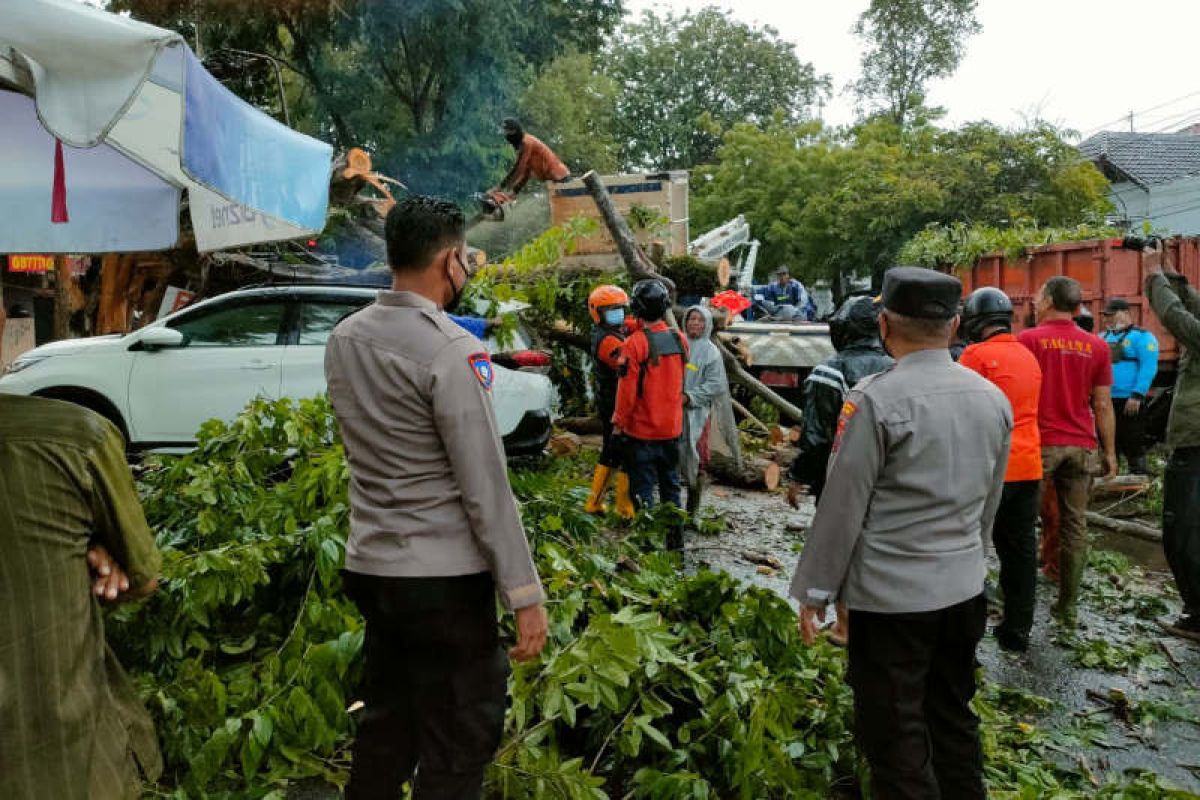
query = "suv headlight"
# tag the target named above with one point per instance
(22, 363)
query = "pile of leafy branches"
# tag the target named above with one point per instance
(962, 245)
(653, 684)
(552, 296)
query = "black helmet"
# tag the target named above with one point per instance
(1085, 320)
(855, 319)
(985, 307)
(649, 300)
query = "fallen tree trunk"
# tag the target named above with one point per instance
(584, 426)
(738, 374)
(637, 262)
(1135, 529)
(754, 473)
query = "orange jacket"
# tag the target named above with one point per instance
(534, 159)
(655, 413)
(1007, 363)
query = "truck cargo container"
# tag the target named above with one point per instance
(1103, 268)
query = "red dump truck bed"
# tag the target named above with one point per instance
(1101, 266)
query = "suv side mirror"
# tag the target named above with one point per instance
(160, 337)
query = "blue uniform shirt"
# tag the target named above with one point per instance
(476, 326)
(1134, 370)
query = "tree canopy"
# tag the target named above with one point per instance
(422, 84)
(829, 203)
(909, 43)
(686, 79)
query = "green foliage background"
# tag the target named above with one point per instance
(843, 202)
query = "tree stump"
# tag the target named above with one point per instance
(564, 444)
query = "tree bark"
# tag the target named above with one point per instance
(1135, 529)
(637, 262)
(754, 473)
(738, 374)
(62, 298)
(584, 426)
(745, 412)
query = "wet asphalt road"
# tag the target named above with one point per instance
(762, 523)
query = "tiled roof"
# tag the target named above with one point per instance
(1146, 158)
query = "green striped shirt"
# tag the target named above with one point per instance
(71, 725)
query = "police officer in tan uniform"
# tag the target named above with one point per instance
(899, 536)
(435, 532)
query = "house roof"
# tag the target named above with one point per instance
(1145, 158)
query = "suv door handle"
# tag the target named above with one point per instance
(256, 365)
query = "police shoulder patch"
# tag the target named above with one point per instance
(481, 365)
(848, 410)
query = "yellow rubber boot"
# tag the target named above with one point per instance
(625, 507)
(595, 502)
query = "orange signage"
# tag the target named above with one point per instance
(30, 263)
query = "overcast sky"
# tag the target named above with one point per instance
(1082, 63)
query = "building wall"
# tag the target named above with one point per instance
(1175, 207)
(1130, 202)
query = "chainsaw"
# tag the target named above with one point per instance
(491, 205)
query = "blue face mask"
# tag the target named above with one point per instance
(614, 316)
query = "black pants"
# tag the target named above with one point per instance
(1131, 435)
(1017, 547)
(612, 454)
(913, 677)
(1181, 524)
(653, 464)
(434, 686)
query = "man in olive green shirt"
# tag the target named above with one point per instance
(71, 727)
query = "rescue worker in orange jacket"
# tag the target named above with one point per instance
(534, 159)
(607, 306)
(649, 411)
(994, 353)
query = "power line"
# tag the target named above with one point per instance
(1131, 113)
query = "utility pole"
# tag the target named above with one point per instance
(1131, 121)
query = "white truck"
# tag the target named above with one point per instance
(780, 354)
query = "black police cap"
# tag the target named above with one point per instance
(1116, 304)
(921, 293)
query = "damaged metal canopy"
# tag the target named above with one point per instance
(140, 120)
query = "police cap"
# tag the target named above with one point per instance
(1114, 305)
(921, 293)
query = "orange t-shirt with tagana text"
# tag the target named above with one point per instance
(1012, 368)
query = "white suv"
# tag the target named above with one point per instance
(159, 383)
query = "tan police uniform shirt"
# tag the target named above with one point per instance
(429, 493)
(912, 490)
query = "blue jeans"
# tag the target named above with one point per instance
(651, 464)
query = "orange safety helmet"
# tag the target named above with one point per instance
(603, 297)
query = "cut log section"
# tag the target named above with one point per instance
(755, 473)
(565, 444)
(724, 272)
